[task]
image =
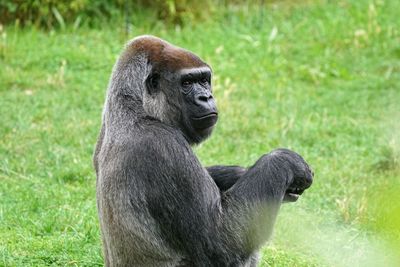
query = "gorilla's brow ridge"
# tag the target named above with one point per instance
(195, 71)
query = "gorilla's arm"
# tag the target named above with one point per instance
(209, 227)
(181, 197)
(225, 176)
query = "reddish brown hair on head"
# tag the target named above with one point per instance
(162, 55)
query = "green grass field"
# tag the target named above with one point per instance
(322, 79)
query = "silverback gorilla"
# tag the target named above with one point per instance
(158, 206)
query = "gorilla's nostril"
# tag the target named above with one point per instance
(202, 98)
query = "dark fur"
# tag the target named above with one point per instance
(157, 205)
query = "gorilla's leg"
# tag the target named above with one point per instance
(225, 176)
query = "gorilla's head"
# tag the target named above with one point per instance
(177, 88)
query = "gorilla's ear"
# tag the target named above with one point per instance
(152, 83)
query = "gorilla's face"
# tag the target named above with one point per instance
(188, 100)
(199, 111)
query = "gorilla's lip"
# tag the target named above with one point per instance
(212, 114)
(292, 194)
(205, 121)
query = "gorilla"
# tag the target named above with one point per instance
(157, 205)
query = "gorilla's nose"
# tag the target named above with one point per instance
(205, 100)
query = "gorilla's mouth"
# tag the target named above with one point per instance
(292, 194)
(205, 121)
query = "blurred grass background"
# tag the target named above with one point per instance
(319, 77)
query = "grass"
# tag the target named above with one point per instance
(321, 78)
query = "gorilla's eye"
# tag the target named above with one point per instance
(186, 83)
(204, 81)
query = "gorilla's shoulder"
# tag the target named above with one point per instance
(154, 139)
(151, 151)
(160, 134)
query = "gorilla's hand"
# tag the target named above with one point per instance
(299, 174)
